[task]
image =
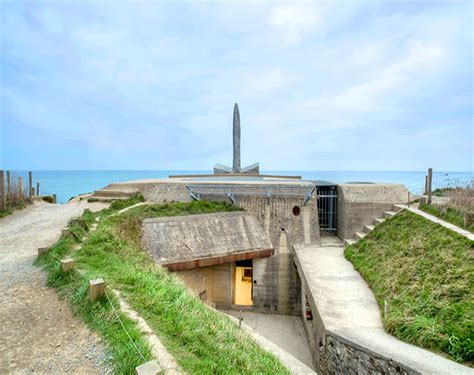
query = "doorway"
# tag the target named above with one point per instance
(243, 283)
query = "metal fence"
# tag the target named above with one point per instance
(327, 208)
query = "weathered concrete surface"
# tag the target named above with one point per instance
(285, 331)
(38, 332)
(174, 189)
(347, 326)
(213, 285)
(295, 366)
(196, 237)
(276, 285)
(359, 204)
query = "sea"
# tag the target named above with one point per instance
(67, 184)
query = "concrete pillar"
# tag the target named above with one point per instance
(284, 263)
(42, 250)
(148, 368)
(37, 188)
(30, 184)
(430, 184)
(306, 217)
(67, 264)
(96, 289)
(55, 199)
(3, 195)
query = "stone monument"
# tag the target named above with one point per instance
(236, 169)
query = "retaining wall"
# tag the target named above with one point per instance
(359, 204)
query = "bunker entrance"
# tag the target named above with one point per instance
(243, 283)
(327, 206)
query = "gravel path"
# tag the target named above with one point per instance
(38, 332)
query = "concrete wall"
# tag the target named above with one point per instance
(216, 281)
(155, 191)
(276, 286)
(333, 354)
(359, 204)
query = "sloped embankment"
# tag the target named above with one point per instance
(201, 339)
(424, 272)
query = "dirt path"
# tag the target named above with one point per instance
(38, 332)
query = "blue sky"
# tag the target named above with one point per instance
(320, 85)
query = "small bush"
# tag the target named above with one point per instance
(48, 198)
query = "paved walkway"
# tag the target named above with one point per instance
(348, 308)
(439, 221)
(285, 331)
(38, 332)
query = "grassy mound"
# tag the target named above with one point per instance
(425, 272)
(202, 340)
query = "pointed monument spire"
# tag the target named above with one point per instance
(253, 169)
(236, 140)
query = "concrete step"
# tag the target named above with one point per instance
(369, 228)
(360, 235)
(349, 242)
(114, 193)
(378, 221)
(389, 213)
(398, 207)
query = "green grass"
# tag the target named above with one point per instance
(202, 340)
(425, 272)
(451, 215)
(10, 209)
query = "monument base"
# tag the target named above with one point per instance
(253, 169)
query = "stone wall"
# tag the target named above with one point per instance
(359, 204)
(333, 354)
(341, 356)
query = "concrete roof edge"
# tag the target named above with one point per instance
(195, 216)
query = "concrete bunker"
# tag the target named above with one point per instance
(213, 254)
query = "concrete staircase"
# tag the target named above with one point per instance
(105, 195)
(370, 227)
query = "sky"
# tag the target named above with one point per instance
(341, 85)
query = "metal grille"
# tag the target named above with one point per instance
(306, 191)
(327, 208)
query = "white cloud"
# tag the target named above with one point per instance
(385, 85)
(268, 81)
(294, 22)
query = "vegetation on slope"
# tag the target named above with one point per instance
(201, 339)
(425, 272)
(451, 215)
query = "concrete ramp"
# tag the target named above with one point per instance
(346, 333)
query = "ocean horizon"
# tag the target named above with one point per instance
(70, 183)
